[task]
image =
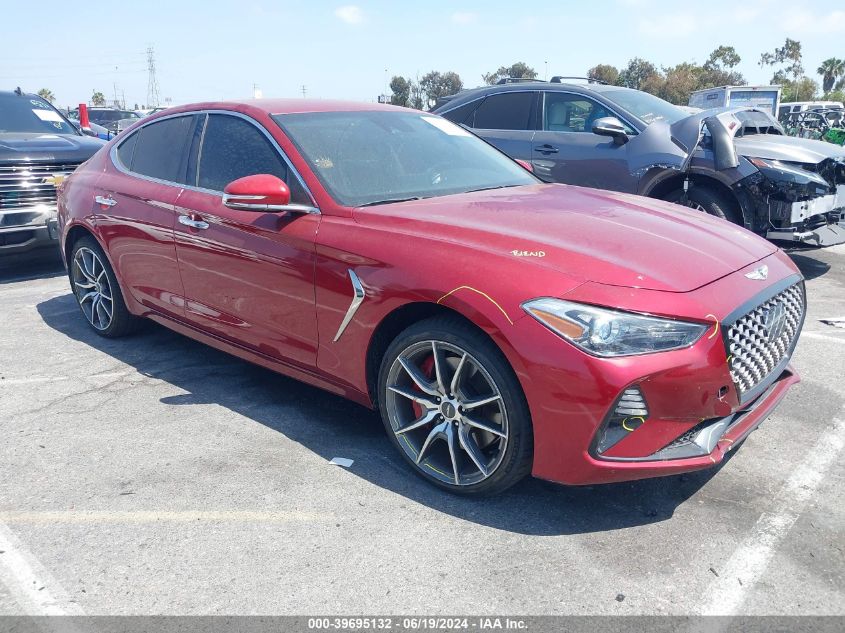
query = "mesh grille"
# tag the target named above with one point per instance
(761, 339)
(29, 185)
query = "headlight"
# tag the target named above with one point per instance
(780, 171)
(604, 332)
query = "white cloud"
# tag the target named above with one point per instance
(350, 14)
(464, 17)
(807, 22)
(670, 26)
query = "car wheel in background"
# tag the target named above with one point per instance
(97, 292)
(707, 200)
(454, 408)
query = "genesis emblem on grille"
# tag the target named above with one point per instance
(774, 320)
(759, 274)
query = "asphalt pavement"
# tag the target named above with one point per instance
(154, 475)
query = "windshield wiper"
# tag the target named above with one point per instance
(493, 187)
(390, 201)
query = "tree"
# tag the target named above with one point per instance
(679, 81)
(805, 89)
(604, 72)
(716, 71)
(401, 89)
(789, 54)
(47, 95)
(518, 70)
(723, 57)
(98, 99)
(636, 73)
(831, 70)
(435, 85)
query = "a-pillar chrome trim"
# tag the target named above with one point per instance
(357, 300)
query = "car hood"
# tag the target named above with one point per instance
(787, 148)
(587, 234)
(17, 147)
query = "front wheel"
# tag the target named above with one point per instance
(707, 200)
(454, 408)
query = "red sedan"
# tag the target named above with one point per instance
(500, 325)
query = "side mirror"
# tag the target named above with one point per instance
(525, 165)
(87, 131)
(612, 127)
(261, 192)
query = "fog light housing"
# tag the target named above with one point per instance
(629, 413)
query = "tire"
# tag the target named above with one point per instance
(97, 292)
(708, 200)
(470, 435)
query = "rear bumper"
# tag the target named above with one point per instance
(40, 231)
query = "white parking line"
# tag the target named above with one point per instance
(32, 586)
(823, 337)
(727, 593)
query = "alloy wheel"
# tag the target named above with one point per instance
(92, 288)
(447, 412)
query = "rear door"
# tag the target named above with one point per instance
(507, 120)
(249, 276)
(566, 150)
(135, 212)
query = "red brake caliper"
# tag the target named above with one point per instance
(427, 368)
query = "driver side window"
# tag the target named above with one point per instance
(564, 112)
(233, 148)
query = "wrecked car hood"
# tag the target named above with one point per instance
(788, 148)
(670, 146)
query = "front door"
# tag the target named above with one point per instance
(566, 150)
(248, 276)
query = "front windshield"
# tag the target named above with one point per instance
(371, 157)
(646, 107)
(28, 114)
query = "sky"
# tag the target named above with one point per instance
(348, 49)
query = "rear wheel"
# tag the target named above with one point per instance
(453, 407)
(707, 200)
(97, 292)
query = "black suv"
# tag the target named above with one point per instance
(734, 163)
(39, 148)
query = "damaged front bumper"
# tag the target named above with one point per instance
(796, 205)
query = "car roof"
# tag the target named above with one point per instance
(473, 93)
(287, 106)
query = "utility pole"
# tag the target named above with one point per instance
(152, 82)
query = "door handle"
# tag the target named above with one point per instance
(546, 149)
(105, 201)
(196, 224)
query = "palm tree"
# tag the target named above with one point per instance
(47, 95)
(98, 99)
(830, 70)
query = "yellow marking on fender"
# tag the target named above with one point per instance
(712, 459)
(715, 329)
(636, 417)
(729, 441)
(483, 294)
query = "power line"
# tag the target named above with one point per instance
(152, 82)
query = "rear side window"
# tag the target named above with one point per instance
(506, 111)
(233, 148)
(126, 150)
(161, 149)
(462, 114)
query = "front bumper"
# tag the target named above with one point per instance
(824, 235)
(28, 229)
(697, 412)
